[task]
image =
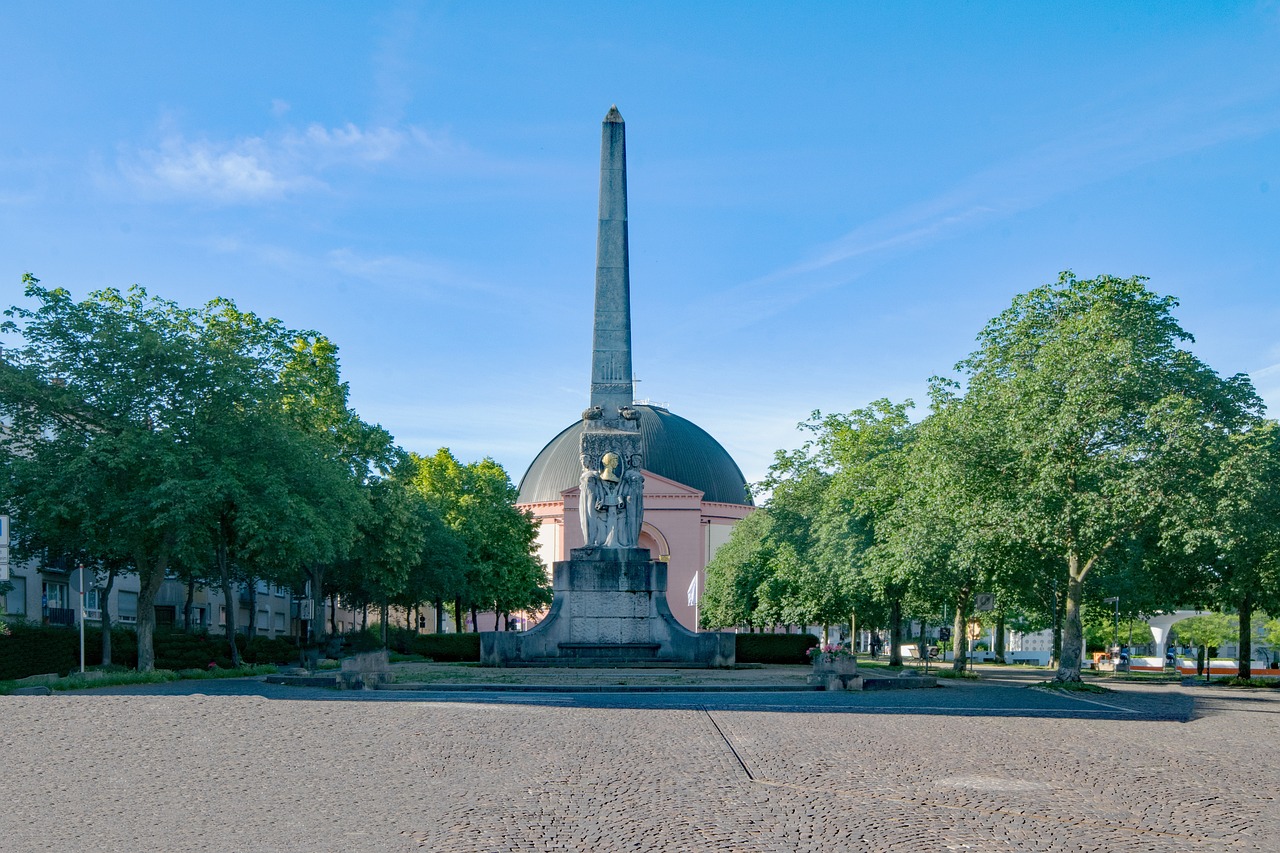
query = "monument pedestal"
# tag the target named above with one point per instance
(609, 609)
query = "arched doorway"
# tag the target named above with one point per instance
(652, 538)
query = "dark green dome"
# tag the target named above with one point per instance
(674, 448)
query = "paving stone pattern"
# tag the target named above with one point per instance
(242, 766)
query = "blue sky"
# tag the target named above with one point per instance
(827, 200)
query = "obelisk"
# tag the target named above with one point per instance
(611, 384)
(609, 599)
(611, 486)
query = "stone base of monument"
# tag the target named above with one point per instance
(609, 610)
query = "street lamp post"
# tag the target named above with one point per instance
(1115, 639)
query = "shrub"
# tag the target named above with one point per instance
(30, 649)
(367, 640)
(773, 648)
(447, 647)
(266, 650)
(33, 650)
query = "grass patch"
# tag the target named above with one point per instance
(1237, 681)
(951, 673)
(115, 676)
(1071, 687)
(878, 664)
(397, 657)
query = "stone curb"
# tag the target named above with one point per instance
(599, 688)
(38, 690)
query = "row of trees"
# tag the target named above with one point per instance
(1082, 453)
(218, 447)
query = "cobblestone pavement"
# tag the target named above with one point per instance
(994, 766)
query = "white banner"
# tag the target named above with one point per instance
(4, 530)
(693, 591)
(4, 562)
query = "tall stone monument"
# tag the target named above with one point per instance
(610, 598)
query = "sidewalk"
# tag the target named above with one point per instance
(445, 676)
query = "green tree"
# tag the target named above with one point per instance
(801, 588)
(735, 574)
(154, 435)
(315, 402)
(477, 501)
(866, 453)
(103, 398)
(1211, 629)
(1092, 424)
(1238, 534)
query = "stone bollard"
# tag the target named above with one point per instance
(366, 669)
(835, 672)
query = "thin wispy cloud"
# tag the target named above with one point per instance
(417, 278)
(413, 277)
(271, 166)
(1122, 139)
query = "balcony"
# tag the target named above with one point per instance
(59, 616)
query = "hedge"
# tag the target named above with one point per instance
(447, 647)
(773, 648)
(437, 647)
(31, 649)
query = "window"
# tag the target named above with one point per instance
(263, 588)
(264, 621)
(127, 606)
(281, 592)
(92, 599)
(279, 622)
(15, 602)
(56, 595)
(197, 616)
(222, 614)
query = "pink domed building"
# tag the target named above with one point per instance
(694, 493)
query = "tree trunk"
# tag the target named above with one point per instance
(960, 632)
(1057, 625)
(1246, 637)
(386, 635)
(229, 601)
(105, 604)
(1072, 631)
(999, 644)
(475, 618)
(895, 633)
(333, 614)
(149, 583)
(457, 615)
(439, 616)
(253, 610)
(186, 605)
(315, 626)
(364, 618)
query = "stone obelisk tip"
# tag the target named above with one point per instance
(611, 387)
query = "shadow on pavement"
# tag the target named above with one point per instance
(969, 699)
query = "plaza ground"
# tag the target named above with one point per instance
(239, 765)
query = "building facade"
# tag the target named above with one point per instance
(50, 593)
